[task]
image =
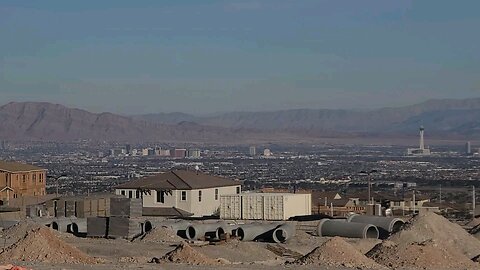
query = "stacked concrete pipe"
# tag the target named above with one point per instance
(284, 232)
(256, 231)
(206, 230)
(386, 225)
(79, 227)
(62, 224)
(328, 227)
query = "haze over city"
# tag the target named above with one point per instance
(203, 57)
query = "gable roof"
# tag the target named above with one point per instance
(179, 180)
(14, 167)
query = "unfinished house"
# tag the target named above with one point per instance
(21, 180)
(188, 191)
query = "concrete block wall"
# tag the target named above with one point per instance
(97, 226)
(124, 227)
(125, 207)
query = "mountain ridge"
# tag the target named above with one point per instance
(47, 121)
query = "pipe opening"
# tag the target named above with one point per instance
(55, 226)
(148, 226)
(280, 236)
(397, 226)
(240, 233)
(190, 232)
(75, 228)
(220, 233)
(372, 232)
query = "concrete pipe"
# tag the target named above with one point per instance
(61, 225)
(256, 231)
(206, 230)
(150, 224)
(386, 225)
(328, 227)
(79, 227)
(284, 232)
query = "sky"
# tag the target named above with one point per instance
(201, 57)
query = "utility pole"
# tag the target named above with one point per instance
(473, 200)
(440, 193)
(414, 202)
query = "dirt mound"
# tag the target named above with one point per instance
(42, 245)
(184, 253)
(161, 234)
(425, 255)
(235, 250)
(337, 252)
(432, 227)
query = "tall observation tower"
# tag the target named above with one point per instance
(422, 150)
(422, 143)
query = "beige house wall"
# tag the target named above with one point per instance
(208, 205)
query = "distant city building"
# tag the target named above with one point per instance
(194, 153)
(468, 148)
(145, 152)
(21, 180)
(180, 153)
(128, 149)
(267, 152)
(253, 151)
(151, 152)
(117, 152)
(164, 153)
(422, 150)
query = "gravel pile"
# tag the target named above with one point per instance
(161, 235)
(185, 254)
(42, 245)
(336, 252)
(425, 255)
(428, 241)
(432, 227)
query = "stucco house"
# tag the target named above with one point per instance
(189, 191)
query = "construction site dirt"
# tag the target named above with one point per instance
(427, 242)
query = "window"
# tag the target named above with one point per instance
(130, 194)
(216, 194)
(34, 177)
(199, 195)
(184, 195)
(138, 194)
(238, 190)
(160, 196)
(23, 178)
(122, 192)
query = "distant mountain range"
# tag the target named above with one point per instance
(456, 119)
(447, 117)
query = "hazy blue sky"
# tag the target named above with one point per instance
(211, 56)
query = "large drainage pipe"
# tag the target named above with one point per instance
(328, 227)
(206, 230)
(386, 225)
(79, 227)
(284, 232)
(256, 231)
